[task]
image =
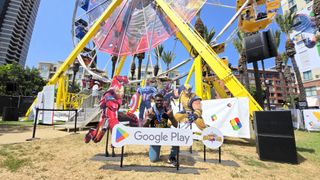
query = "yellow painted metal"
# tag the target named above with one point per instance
(217, 87)
(212, 59)
(248, 21)
(189, 74)
(76, 51)
(198, 77)
(121, 63)
(206, 91)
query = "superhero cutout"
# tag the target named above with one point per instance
(110, 103)
(192, 109)
(146, 93)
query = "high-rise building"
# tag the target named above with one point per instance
(17, 18)
(307, 47)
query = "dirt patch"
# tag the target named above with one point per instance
(68, 157)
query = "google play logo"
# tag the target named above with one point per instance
(121, 135)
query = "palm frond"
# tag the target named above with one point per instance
(277, 37)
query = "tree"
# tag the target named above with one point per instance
(316, 12)
(140, 57)
(114, 60)
(242, 62)
(75, 69)
(285, 23)
(133, 67)
(288, 78)
(158, 51)
(278, 63)
(167, 58)
(27, 82)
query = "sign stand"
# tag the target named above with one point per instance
(113, 154)
(122, 153)
(205, 153)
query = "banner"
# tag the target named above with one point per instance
(48, 103)
(230, 116)
(312, 119)
(122, 135)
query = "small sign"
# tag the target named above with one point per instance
(302, 105)
(123, 135)
(212, 137)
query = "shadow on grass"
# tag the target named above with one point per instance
(155, 168)
(308, 150)
(13, 129)
(223, 162)
(241, 142)
(301, 159)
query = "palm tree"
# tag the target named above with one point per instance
(199, 26)
(75, 69)
(207, 36)
(158, 51)
(288, 77)
(133, 67)
(285, 23)
(167, 58)
(278, 63)
(140, 57)
(316, 12)
(242, 62)
(114, 60)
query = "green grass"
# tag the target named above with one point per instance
(16, 123)
(308, 145)
(12, 159)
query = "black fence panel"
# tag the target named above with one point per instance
(20, 102)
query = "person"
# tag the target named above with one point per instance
(192, 109)
(160, 117)
(95, 93)
(147, 94)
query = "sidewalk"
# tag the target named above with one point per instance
(15, 134)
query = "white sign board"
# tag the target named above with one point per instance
(312, 119)
(230, 116)
(122, 135)
(212, 137)
(48, 101)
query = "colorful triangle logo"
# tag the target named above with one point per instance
(121, 135)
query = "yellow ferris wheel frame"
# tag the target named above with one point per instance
(189, 37)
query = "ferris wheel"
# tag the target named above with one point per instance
(137, 26)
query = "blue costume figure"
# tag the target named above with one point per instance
(146, 94)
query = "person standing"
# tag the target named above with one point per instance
(159, 116)
(95, 93)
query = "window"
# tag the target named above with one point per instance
(307, 75)
(311, 91)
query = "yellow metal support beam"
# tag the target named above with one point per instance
(121, 63)
(212, 59)
(222, 93)
(198, 77)
(189, 74)
(76, 51)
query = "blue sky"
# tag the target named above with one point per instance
(52, 41)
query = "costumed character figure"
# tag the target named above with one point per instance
(192, 109)
(146, 93)
(110, 103)
(159, 116)
(168, 95)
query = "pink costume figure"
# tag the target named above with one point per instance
(109, 103)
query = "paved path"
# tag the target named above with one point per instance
(15, 134)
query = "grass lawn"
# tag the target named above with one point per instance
(69, 157)
(16, 123)
(308, 145)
